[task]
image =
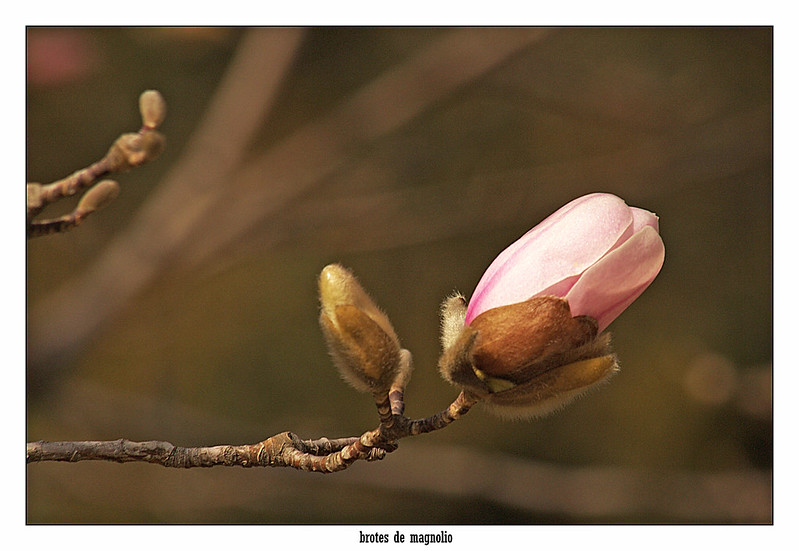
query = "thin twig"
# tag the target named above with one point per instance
(457, 409)
(56, 225)
(128, 151)
(70, 185)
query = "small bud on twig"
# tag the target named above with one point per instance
(128, 151)
(98, 196)
(361, 340)
(153, 109)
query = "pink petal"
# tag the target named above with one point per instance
(642, 218)
(552, 255)
(612, 284)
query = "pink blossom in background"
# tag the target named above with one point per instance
(596, 252)
(57, 56)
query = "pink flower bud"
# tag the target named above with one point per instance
(596, 252)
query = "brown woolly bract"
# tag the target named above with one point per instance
(453, 314)
(528, 359)
(361, 340)
(365, 356)
(555, 388)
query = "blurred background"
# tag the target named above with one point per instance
(187, 311)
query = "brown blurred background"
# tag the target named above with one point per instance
(187, 312)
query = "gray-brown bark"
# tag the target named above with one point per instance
(282, 450)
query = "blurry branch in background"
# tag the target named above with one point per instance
(212, 181)
(61, 323)
(128, 151)
(368, 220)
(283, 176)
(591, 492)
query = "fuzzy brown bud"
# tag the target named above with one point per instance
(152, 108)
(528, 358)
(361, 340)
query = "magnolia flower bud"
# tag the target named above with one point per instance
(530, 337)
(361, 340)
(596, 252)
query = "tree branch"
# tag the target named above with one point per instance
(242, 101)
(282, 450)
(128, 151)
